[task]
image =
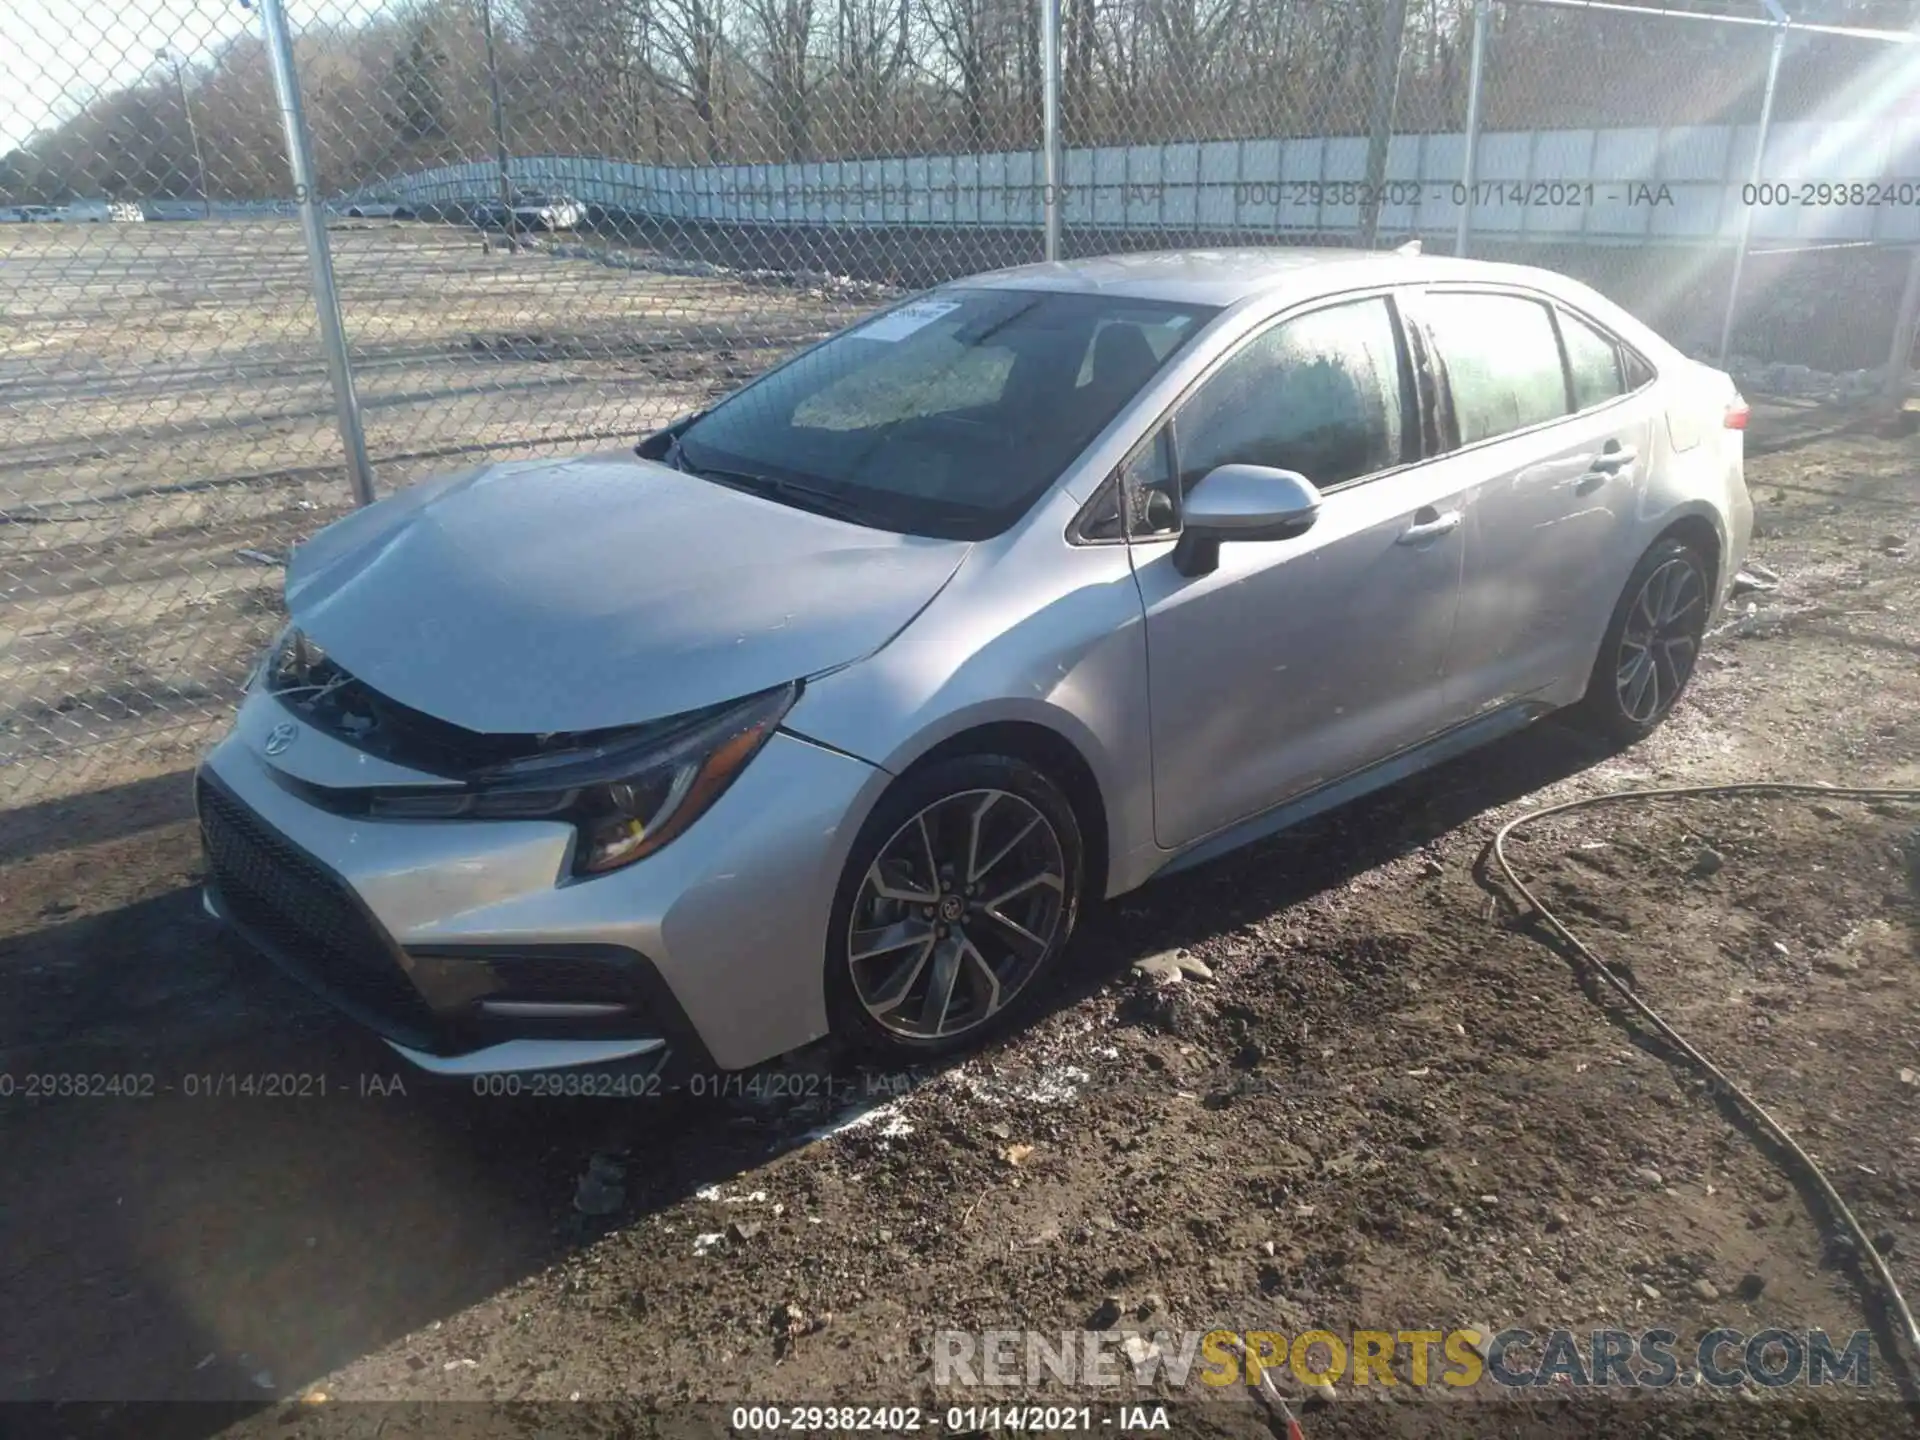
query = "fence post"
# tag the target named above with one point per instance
(1756, 174)
(313, 225)
(1476, 77)
(1050, 124)
(1893, 391)
(1386, 92)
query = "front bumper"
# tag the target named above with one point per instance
(470, 947)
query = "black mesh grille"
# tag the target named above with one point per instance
(277, 892)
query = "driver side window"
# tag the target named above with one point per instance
(1321, 395)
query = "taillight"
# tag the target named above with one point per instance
(1736, 416)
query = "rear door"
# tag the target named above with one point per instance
(1541, 415)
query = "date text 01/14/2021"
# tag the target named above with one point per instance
(969, 1419)
(197, 1085)
(1566, 194)
(756, 1086)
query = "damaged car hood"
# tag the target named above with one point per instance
(605, 590)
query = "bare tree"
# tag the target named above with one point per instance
(870, 49)
(1191, 37)
(782, 66)
(978, 43)
(690, 36)
(674, 81)
(1121, 60)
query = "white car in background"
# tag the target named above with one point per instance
(101, 212)
(548, 212)
(388, 209)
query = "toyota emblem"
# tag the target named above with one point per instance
(281, 736)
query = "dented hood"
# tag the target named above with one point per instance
(606, 590)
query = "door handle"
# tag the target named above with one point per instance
(1615, 459)
(1428, 523)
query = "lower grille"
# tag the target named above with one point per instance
(306, 918)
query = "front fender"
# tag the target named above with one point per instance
(1031, 631)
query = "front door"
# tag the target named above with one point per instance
(1296, 661)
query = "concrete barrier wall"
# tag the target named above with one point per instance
(1596, 186)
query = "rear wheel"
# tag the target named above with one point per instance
(1652, 643)
(958, 897)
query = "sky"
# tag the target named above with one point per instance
(55, 54)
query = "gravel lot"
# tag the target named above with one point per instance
(164, 408)
(1391, 1106)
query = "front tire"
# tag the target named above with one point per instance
(1652, 643)
(960, 892)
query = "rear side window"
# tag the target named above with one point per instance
(1593, 363)
(1500, 359)
(1320, 395)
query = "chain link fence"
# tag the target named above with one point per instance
(545, 226)
(166, 421)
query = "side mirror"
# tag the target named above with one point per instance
(1242, 502)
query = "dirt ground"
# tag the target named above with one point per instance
(167, 429)
(1390, 1106)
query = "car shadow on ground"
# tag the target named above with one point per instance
(252, 1193)
(1323, 853)
(74, 821)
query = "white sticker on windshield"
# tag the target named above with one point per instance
(901, 323)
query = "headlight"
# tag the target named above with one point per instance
(292, 664)
(626, 798)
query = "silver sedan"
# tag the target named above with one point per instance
(829, 708)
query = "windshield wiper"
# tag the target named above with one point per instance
(973, 339)
(806, 497)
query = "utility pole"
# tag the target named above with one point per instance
(193, 131)
(1386, 93)
(499, 114)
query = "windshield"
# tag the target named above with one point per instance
(946, 416)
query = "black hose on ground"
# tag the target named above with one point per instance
(1713, 1072)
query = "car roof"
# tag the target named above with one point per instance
(1225, 277)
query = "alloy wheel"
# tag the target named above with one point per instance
(1661, 640)
(956, 914)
